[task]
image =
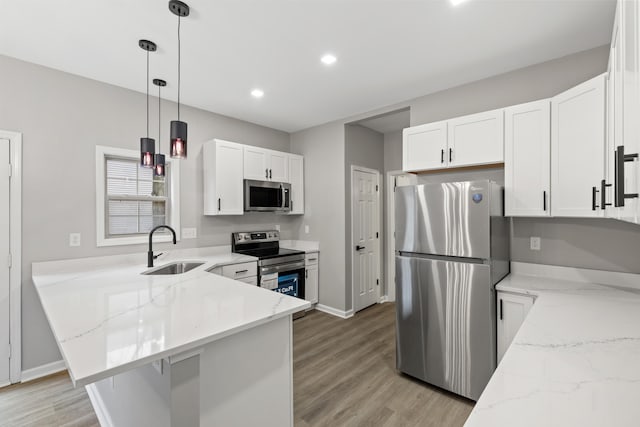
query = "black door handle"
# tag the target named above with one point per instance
(219, 203)
(359, 248)
(450, 155)
(442, 156)
(544, 201)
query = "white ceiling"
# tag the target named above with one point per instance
(388, 50)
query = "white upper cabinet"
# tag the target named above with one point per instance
(476, 139)
(577, 149)
(265, 165)
(296, 178)
(223, 189)
(527, 161)
(424, 147)
(256, 163)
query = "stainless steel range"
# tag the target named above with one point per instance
(281, 270)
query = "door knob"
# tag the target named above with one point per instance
(359, 248)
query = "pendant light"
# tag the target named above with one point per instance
(178, 149)
(159, 168)
(147, 145)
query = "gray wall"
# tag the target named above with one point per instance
(393, 151)
(62, 118)
(324, 189)
(363, 147)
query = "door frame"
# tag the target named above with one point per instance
(15, 245)
(355, 168)
(389, 246)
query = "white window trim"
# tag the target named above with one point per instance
(174, 199)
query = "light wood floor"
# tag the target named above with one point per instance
(344, 375)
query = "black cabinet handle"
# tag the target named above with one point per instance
(544, 200)
(620, 159)
(442, 156)
(450, 154)
(594, 192)
(270, 174)
(219, 203)
(603, 194)
(359, 248)
(306, 274)
(266, 173)
(242, 271)
(500, 308)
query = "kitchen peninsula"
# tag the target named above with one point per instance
(172, 350)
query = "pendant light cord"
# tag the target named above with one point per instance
(147, 94)
(178, 68)
(159, 123)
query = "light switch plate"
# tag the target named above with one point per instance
(74, 239)
(535, 244)
(189, 233)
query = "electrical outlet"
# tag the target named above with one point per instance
(189, 233)
(277, 227)
(306, 229)
(74, 239)
(535, 243)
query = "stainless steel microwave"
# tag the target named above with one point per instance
(266, 196)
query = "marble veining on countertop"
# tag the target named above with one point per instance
(574, 362)
(107, 317)
(301, 245)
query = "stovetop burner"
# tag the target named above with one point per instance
(267, 253)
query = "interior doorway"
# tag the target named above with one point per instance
(10, 256)
(365, 236)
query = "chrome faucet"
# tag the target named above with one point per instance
(150, 256)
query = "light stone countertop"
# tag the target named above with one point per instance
(301, 245)
(108, 318)
(576, 359)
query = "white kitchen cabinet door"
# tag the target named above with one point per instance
(296, 178)
(424, 147)
(527, 160)
(311, 284)
(512, 310)
(476, 139)
(223, 187)
(577, 149)
(614, 116)
(256, 163)
(629, 44)
(278, 164)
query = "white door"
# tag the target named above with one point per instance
(365, 228)
(424, 147)
(393, 181)
(577, 149)
(229, 185)
(256, 163)
(476, 139)
(527, 160)
(278, 166)
(296, 178)
(512, 310)
(4, 266)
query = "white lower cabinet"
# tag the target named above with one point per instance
(246, 272)
(311, 277)
(511, 312)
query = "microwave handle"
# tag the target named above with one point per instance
(283, 202)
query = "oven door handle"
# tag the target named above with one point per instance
(282, 267)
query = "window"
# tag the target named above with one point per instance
(130, 201)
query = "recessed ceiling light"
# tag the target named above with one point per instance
(328, 59)
(457, 2)
(257, 93)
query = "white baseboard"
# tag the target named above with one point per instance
(334, 311)
(384, 299)
(42, 371)
(98, 406)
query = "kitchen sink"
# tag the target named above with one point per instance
(173, 268)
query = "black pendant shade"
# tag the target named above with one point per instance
(159, 169)
(147, 152)
(178, 148)
(178, 139)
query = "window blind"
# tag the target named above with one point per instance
(136, 200)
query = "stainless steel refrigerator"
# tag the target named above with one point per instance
(452, 243)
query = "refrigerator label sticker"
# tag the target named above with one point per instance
(477, 197)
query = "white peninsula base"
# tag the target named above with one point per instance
(244, 379)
